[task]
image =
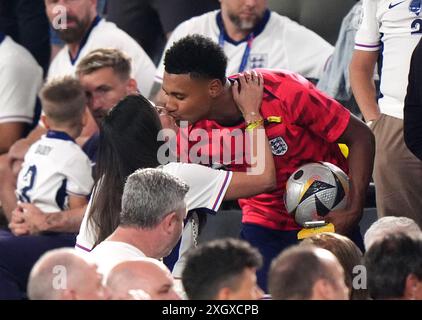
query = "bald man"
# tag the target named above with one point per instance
(61, 274)
(307, 273)
(146, 274)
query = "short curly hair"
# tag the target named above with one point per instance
(198, 56)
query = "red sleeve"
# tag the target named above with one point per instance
(312, 109)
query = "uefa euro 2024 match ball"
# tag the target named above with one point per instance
(314, 190)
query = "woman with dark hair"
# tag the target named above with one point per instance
(128, 141)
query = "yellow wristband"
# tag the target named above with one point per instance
(254, 124)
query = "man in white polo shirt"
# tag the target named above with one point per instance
(151, 220)
(21, 80)
(252, 36)
(389, 32)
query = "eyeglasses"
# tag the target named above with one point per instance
(415, 6)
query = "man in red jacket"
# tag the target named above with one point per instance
(302, 124)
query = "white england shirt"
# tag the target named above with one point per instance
(104, 34)
(388, 26)
(21, 79)
(207, 188)
(278, 43)
(54, 167)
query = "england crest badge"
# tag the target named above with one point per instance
(258, 60)
(278, 146)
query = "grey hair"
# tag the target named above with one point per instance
(44, 274)
(390, 225)
(149, 195)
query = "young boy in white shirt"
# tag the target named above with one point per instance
(56, 174)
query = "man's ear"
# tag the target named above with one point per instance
(94, 5)
(215, 87)
(224, 294)
(132, 86)
(322, 290)
(45, 122)
(67, 294)
(169, 222)
(411, 285)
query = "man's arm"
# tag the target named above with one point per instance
(362, 80)
(10, 132)
(76, 202)
(21, 81)
(65, 221)
(28, 219)
(10, 165)
(413, 129)
(413, 105)
(7, 186)
(19, 148)
(361, 142)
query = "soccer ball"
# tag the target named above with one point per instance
(314, 190)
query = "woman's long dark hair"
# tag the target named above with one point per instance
(128, 141)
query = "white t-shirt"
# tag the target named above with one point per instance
(109, 254)
(279, 43)
(107, 35)
(207, 188)
(21, 79)
(388, 26)
(54, 167)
